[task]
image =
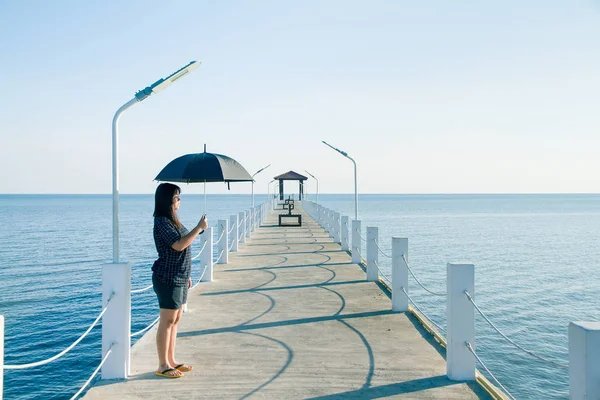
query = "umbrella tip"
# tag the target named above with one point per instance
(205, 147)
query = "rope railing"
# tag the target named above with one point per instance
(381, 251)
(419, 282)
(241, 236)
(220, 237)
(231, 229)
(468, 345)
(231, 246)
(146, 328)
(382, 274)
(141, 290)
(200, 252)
(361, 238)
(220, 255)
(565, 366)
(65, 351)
(421, 311)
(95, 372)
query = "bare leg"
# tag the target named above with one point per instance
(163, 337)
(173, 339)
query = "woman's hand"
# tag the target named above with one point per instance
(203, 224)
(189, 283)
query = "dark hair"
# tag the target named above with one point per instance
(163, 202)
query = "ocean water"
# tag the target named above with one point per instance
(536, 269)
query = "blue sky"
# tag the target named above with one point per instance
(427, 97)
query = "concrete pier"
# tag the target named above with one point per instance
(290, 317)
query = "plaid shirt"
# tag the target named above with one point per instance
(172, 267)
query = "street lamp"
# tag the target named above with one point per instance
(355, 184)
(260, 170)
(317, 185)
(156, 87)
(269, 188)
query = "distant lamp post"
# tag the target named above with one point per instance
(355, 183)
(156, 87)
(269, 188)
(317, 185)
(256, 173)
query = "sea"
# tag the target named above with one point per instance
(536, 257)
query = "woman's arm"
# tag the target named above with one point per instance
(187, 240)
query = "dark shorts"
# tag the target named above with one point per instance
(170, 297)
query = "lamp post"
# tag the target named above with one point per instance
(317, 185)
(256, 173)
(269, 188)
(156, 87)
(355, 183)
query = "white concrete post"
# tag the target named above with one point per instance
(116, 321)
(344, 228)
(223, 243)
(584, 360)
(235, 233)
(399, 274)
(460, 363)
(372, 253)
(1, 355)
(248, 222)
(355, 242)
(337, 232)
(206, 258)
(242, 225)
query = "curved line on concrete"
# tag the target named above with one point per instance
(265, 283)
(341, 298)
(281, 370)
(362, 337)
(268, 310)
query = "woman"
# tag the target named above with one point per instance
(171, 274)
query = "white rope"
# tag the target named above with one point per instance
(509, 340)
(421, 311)
(200, 252)
(420, 284)
(358, 251)
(488, 371)
(241, 236)
(231, 230)
(220, 237)
(382, 274)
(220, 255)
(231, 245)
(361, 238)
(203, 272)
(65, 351)
(381, 251)
(95, 372)
(142, 290)
(146, 328)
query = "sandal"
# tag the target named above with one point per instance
(184, 368)
(166, 373)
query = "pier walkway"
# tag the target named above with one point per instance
(290, 317)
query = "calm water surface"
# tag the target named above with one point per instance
(536, 269)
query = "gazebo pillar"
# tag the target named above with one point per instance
(281, 189)
(300, 190)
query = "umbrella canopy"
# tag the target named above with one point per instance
(203, 167)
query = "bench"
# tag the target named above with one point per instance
(290, 219)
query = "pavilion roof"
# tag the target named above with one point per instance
(291, 176)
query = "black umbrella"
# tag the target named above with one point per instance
(203, 167)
